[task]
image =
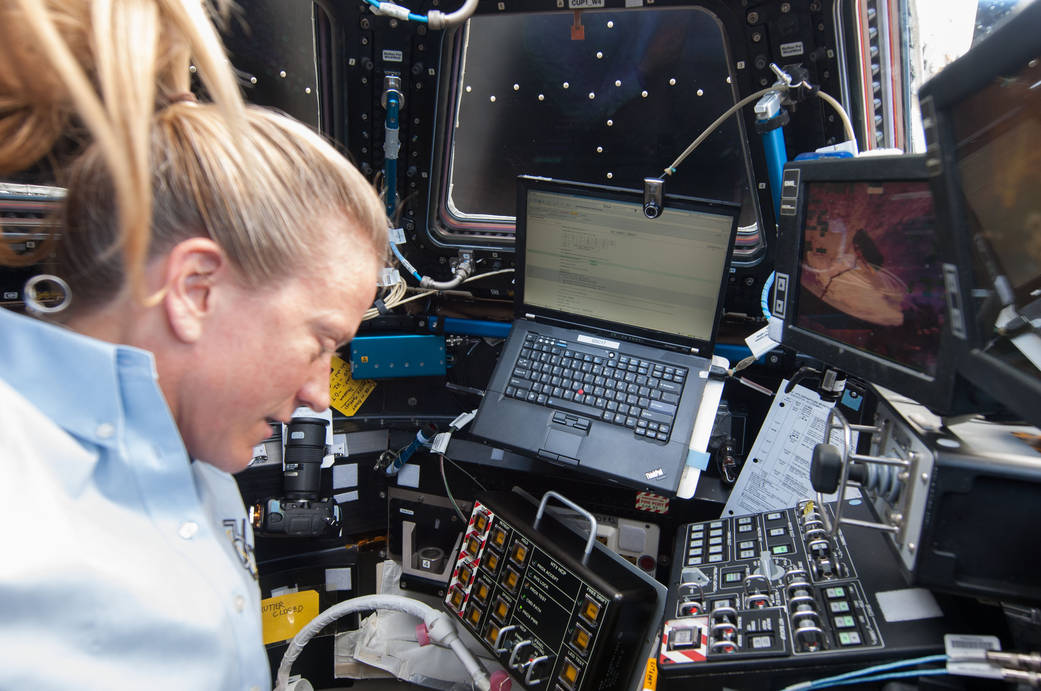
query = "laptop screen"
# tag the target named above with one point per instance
(600, 257)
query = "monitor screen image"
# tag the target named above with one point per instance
(869, 273)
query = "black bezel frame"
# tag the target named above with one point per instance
(606, 328)
(1007, 49)
(933, 391)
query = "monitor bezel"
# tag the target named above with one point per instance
(700, 346)
(934, 391)
(1007, 49)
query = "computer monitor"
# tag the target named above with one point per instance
(982, 118)
(860, 275)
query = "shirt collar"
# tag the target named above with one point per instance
(71, 378)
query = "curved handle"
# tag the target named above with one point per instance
(588, 516)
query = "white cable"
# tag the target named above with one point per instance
(830, 100)
(439, 627)
(396, 299)
(719, 121)
(846, 124)
(440, 20)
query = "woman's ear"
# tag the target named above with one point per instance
(191, 273)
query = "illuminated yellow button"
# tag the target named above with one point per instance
(492, 561)
(501, 609)
(482, 591)
(493, 634)
(474, 616)
(499, 537)
(569, 673)
(591, 610)
(465, 573)
(580, 639)
(481, 522)
(456, 598)
(520, 553)
(473, 546)
(511, 579)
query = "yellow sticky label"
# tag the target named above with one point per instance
(282, 617)
(650, 677)
(347, 394)
(808, 509)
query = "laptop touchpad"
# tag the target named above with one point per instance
(563, 443)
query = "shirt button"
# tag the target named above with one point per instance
(240, 603)
(188, 530)
(105, 430)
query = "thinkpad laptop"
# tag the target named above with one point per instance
(616, 316)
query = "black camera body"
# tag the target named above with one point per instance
(300, 513)
(300, 517)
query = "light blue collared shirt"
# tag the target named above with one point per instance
(123, 565)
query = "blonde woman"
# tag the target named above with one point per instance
(215, 256)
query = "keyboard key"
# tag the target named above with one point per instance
(670, 398)
(671, 387)
(630, 422)
(511, 391)
(662, 407)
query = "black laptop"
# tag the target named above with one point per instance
(616, 316)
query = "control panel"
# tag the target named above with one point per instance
(560, 612)
(775, 591)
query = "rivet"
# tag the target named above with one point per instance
(469, 89)
(610, 175)
(618, 82)
(282, 74)
(610, 123)
(492, 99)
(643, 94)
(566, 85)
(252, 80)
(610, 24)
(516, 87)
(542, 97)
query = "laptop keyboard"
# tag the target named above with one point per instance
(642, 395)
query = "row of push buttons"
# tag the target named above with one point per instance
(713, 539)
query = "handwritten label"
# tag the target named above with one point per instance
(282, 617)
(345, 393)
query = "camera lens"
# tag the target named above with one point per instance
(305, 448)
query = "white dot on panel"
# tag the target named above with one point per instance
(610, 24)
(307, 90)
(599, 55)
(252, 80)
(492, 99)
(729, 81)
(591, 95)
(542, 97)
(469, 89)
(566, 85)
(282, 74)
(610, 123)
(644, 94)
(672, 82)
(516, 87)
(600, 149)
(618, 82)
(701, 92)
(610, 175)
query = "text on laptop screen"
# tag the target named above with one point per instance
(604, 259)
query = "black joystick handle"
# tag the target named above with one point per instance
(826, 469)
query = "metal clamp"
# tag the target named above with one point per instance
(585, 514)
(502, 636)
(513, 663)
(837, 421)
(530, 664)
